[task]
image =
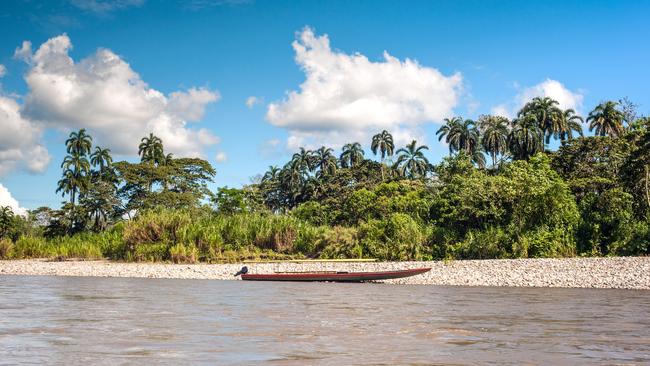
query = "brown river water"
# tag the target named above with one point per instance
(115, 321)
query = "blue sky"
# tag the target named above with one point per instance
(473, 57)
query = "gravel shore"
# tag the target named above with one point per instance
(619, 272)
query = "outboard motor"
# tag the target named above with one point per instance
(242, 271)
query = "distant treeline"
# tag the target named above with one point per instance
(501, 193)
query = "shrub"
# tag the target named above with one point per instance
(339, 242)
(31, 247)
(484, 244)
(149, 253)
(183, 254)
(6, 247)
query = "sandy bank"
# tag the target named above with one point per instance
(621, 272)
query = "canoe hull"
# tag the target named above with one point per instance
(335, 276)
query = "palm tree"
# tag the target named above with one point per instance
(270, 185)
(151, 150)
(292, 180)
(445, 131)
(75, 165)
(526, 137)
(352, 155)
(304, 159)
(606, 119)
(271, 175)
(102, 158)
(72, 183)
(494, 137)
(383, 142)
(570, 122)
(325, 161)
(79, 143)
(411, 161)
(547, 113)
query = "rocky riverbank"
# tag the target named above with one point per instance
(617, 272)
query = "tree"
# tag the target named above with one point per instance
(411, 161)
(325, 161)
(6, 221)
(101, 203)
(606, 119)
(270, 188)
(304, 160)
(592, 164)
(383, 143)
(569, 122)
(151, 150)
(494, 135)
(101, 158)
(352, 155)
(547, 113)
(445, 131)
(526, 137)
(461, 135)
(183, 184)
(75, 165)
(79, 143)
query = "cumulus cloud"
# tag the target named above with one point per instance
(7, 200)
(103, 94)
(190, 105)
(347, 96)
(3, 70)
(20, 146)
(221, 157)
(252, 101)
(547, 88)
(24, 52)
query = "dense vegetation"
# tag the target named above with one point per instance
(501, 193)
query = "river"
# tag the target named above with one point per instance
(107, 321)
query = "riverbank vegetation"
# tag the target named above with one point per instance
(501, 193)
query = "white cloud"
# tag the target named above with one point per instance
(105, 6)
(502, 110)
(103, 94)
(547, 88)
(221, 157)
(24, 52)
(252, 101)
(7, 200)
(3, 70)
(20, 146)
(347, 97)
(190, 105)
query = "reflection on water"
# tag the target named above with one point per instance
(74, 320)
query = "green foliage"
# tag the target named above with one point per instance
(313, 212)
(6, 248)
(503, 215)
(607, 222)
(591, 197)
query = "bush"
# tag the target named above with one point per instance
(398, 238)
(183, 254)
(6, 247)
(339, 242)
(31, 247)
(312, 212)
(485, 244)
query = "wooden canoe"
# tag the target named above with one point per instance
(333, 276)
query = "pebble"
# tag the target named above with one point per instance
(608, 272)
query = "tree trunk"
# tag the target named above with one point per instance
(647, 184)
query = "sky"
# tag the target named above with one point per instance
(244, 84)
